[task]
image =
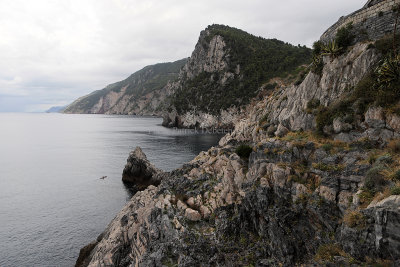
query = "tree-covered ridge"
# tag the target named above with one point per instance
(146, 80)
(258, 59)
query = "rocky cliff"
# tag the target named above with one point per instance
(227, 68)
(309, 177)
(142, 93)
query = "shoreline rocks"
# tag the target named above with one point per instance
(139, 172)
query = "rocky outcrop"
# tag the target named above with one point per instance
(139, 172)
(279, 207)
(202, 120)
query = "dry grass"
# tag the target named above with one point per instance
(394, 146)
(327, 252)
(354, 219)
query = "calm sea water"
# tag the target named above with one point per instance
(52, 201)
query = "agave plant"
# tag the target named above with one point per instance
(331, 49)
(389, 71)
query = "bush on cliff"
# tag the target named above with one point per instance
(344, 36)
(244, 151)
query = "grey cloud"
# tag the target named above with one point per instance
(54, 51)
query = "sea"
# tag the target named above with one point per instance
(52, 200)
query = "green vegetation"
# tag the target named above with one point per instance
(144, 81)
(344, 36)
(244, 150)
(343, 39)
(396, 175)
(395, 190)
(374, 179)
(378, 88)
(317, 62)
(388, 73)
(332, 49)
(257, 59)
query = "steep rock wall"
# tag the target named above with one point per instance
(372, 22)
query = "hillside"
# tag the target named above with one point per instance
(140, 93)
(227, 68)
(310, 176)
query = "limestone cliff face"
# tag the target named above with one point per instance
(140, 94)
(207, 57)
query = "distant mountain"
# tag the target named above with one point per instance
(141, 93)
(56, 109)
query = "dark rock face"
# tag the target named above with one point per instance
(139, 172)
(84, 253)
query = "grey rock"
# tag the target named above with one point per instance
(375, 117)
(340, 126)
(281, 131)
(139, 172)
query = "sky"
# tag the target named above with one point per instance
(54, 51)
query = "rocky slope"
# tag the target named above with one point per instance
(142, 93)
(310, 176)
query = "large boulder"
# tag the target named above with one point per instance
(139, 172)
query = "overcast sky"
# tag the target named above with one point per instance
(54, 51)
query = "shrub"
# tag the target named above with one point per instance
(374, 178)
(317, 48)
(396, 175)
(366, 196)
(386, 159)
(312, 104)
(344, 36)
(395, 190)
(317, 65)
(354, 219)
(244, 150)
(327, 147)
(326, 115)
(327, 252)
